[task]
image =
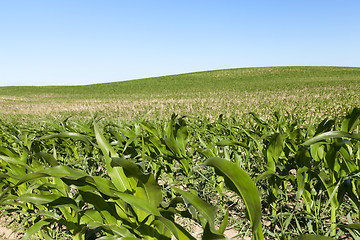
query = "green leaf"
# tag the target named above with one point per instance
(331, 189)
(16, 161)
(4, 176)
(324, 126)
(258, 119)
(206, 210)
(76, 136)
(239, 181)
(300, 179)
(8, 152)
(150, 129)
(147, 188)
(91, 215)
(107, 209)
(313, 237)
(36, 227)
(60, 171)
(113, 229)
(172, 145)
(210, 235)
(351, 120)
(52, 200)
(317, 151)
(181, 134)
(103, 144)
(179, 232)
(117, 238)
(227, 142)
(355, 226)
(332, 134)
(175, 136)
(50, 215)
(274, 150)
(104, 185)
(224, 223)
(139, 203)
(265, 175)
(37, 198)
(130, 168)
(48, 158)
(117, 175)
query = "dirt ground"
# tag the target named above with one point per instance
(8, 234)
(5, 232)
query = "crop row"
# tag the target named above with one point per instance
(275, 178)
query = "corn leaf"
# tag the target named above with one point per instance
(117, 175)
(313, 237)
(206, 210)
(330, 135)
(239, 181)
(36, 227)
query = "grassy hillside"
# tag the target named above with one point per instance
(320, 90)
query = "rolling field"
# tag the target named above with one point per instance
(261, 153)
(306, 91)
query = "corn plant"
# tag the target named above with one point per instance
(135, 179)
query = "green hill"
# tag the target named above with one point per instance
(232, 91)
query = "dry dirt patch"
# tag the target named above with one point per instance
(7, 233)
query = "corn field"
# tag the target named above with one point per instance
(167, 179)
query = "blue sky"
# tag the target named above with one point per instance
(75, 42)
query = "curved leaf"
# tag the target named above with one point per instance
(239, 181)
(351, 120)
(313, 237)
(113, 229)
(52, 200)
(178, 231)
(139, 203)
(147, 188)
(48, 158)
(224, 222)
(59, 171)
(227, 142)
(355, 226)
(117, 175)
(332, 134)
(210, 235)
(36, 227)
(206, 210)
(76, 136)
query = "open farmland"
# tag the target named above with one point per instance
(288, 170)
(306, 91)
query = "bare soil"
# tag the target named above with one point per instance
(7, 233)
